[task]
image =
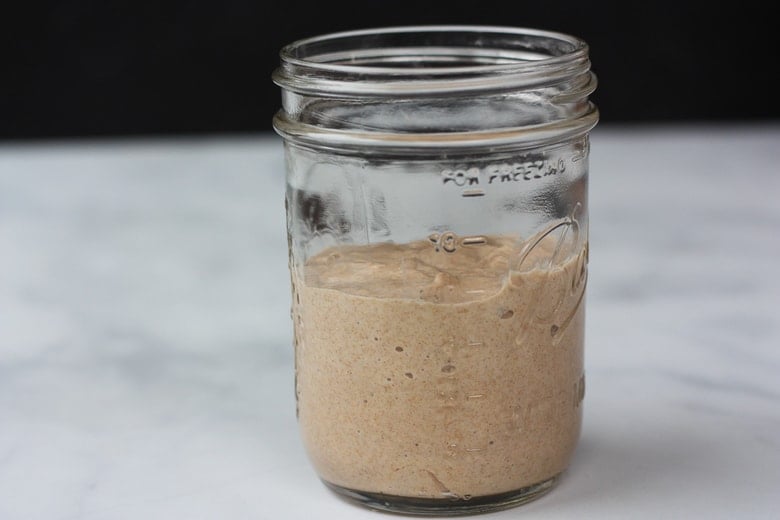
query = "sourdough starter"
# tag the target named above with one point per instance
(430, 374)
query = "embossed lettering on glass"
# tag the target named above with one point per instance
(437, 220)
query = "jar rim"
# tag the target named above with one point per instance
(422, 59)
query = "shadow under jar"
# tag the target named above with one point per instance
(438, 239)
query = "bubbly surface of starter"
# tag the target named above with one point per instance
(429, 374)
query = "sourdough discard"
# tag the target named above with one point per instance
(429, 374)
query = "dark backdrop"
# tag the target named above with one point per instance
(109, 68)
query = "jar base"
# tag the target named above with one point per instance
(444, 506)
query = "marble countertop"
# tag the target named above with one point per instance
(145, 339)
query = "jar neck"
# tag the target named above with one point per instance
(420, 88)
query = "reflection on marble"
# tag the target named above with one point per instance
(145, 359)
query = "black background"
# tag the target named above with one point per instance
(103, 68)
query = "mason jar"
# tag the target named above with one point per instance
(437, 219)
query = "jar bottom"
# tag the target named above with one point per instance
(444, 506)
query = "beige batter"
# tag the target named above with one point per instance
(435, 374)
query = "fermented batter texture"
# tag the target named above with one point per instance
(434, 374)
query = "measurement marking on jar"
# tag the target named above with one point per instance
(579, 391)
(449, 242)
(473, 193)
(473, 241)
(446, 242)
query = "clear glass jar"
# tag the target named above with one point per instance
(438, 238)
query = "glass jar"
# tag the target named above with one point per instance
(438, 239)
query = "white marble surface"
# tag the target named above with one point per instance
(145, 359)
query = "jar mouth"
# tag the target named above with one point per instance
(429, 60)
